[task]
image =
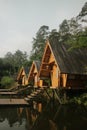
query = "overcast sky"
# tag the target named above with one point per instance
(21, 19)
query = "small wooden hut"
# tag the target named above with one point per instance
(66, 68)
(33, 77)
(22, 77)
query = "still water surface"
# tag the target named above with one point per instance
(51, 116)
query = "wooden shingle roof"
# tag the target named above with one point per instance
(73, 61)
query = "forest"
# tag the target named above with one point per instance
(73, 32)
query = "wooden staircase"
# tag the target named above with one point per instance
(34, 95)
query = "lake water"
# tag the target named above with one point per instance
(50, 116)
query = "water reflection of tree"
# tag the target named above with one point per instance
(19, 115)
(2, 115)
(11, 114)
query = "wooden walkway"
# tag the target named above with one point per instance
(13, 102)
(34, 95)
(8, 93)
(14, 92)
(5, 90)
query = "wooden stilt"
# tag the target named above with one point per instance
(58, 98)
(47, 93)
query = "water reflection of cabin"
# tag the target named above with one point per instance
(33, 77)
(66, 68)
(22, 78)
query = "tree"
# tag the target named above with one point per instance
(78, 40)
(8, 62)
(74, 26)
(64, 31)
(39, 43)
(68, 28)
(12, 62)
(54, 33)
(84, 10)
(20, 59)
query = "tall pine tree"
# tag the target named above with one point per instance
(39, 43)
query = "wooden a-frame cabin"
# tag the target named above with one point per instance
(22, 77)
(66, 69)
(33, 77)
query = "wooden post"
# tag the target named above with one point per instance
(47, 93)
(65, 100)
(58, 98)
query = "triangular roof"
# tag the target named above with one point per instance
(72, 62)
(35, 65)
(25, 69)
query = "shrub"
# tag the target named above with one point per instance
(7, 81)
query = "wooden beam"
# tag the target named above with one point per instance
(47, 55)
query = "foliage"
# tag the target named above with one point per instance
(79, 40)
(54, 33)
(64, 28)
(11, 63)
(68, 29)
(16, 60)
(39, 43)
(84, 10)
(80, 100)
(7, 81)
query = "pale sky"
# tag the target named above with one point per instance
(21, 19)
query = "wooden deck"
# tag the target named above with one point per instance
(13, 102)
(5, 90)
(8, 93)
